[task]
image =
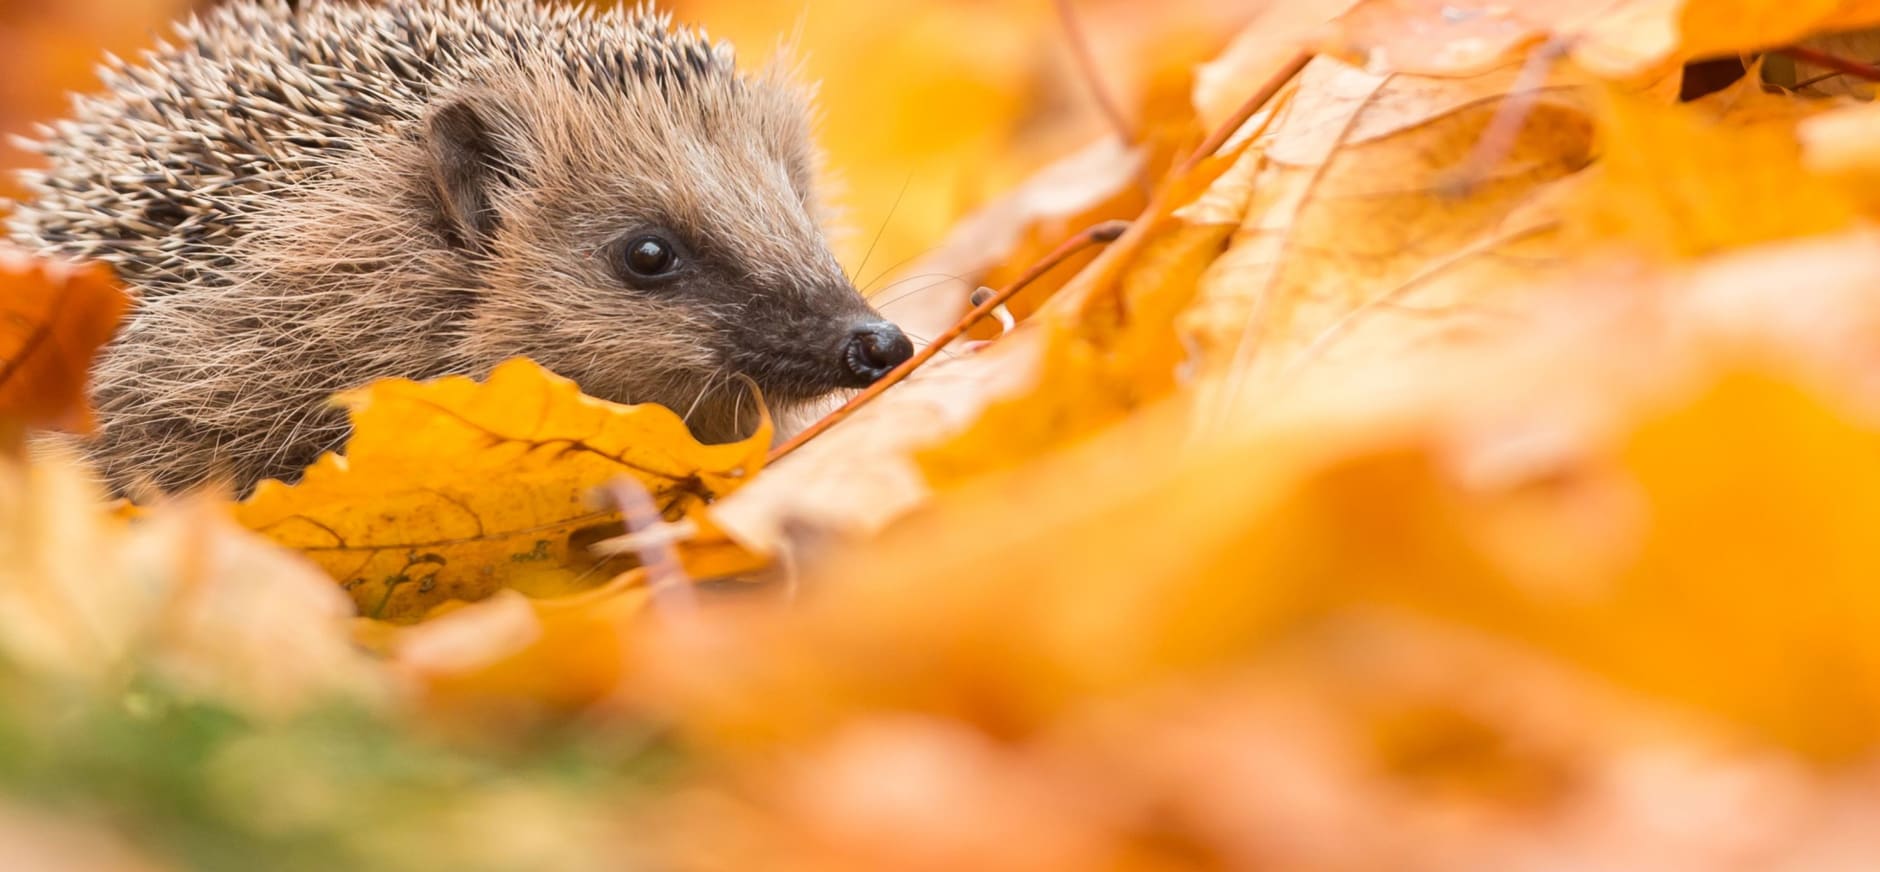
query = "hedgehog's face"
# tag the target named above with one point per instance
(655, 246)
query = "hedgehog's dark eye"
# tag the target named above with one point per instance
(649, 257)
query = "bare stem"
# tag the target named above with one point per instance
(1826, 60)
(1254, 104)
(1099, 234)
(1093, 79)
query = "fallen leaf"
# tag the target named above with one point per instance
(53, 321)
(1368, 221)
(1435, 481)
(1621, 39)
(510, 658)
(183, 596)
(453, 489)
(1676, 183)
(1097, 183)
(1092, 371)
(1261, 50)
(1839, 145)
(854, 479)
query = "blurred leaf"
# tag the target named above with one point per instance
(1679, 184)
(1466, 465)
(37, 842)
(513, 658)
(48, 49)
(931, 109)
(53, 320)
(1624, 38)
(1839, 145)
(184, 596)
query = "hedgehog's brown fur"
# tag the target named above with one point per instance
(308, 196)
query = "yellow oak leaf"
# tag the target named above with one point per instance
(53, 319)
(454, 489)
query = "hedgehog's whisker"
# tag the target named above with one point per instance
(704, 389)
(895, 266)
(939, 280)
(882, 230)
(737, 407)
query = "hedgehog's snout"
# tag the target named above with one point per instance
(875, 347)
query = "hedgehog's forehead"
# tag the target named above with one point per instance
(728, 167)
(730, 126)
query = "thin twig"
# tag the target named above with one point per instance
(1247, 110)
(1099, 234)
(1093, 78)
(1826, 60)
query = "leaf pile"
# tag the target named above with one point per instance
(1465, 459)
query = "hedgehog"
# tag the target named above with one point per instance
(308, 195)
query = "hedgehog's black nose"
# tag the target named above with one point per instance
(874, 348)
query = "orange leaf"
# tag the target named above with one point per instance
(1623, 38)
(53, 320)
(1676, 182)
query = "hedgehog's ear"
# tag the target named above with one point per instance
(468, 161)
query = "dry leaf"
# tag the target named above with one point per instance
(1468, 464)
(860, 475)
(1096, 184)
(1592, 529)
(509, 657)
(1621, 38)
(183, 595)
(1368, 220)
(1676, 183)
(1263, 48)
(453, 490)
(53, 320)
